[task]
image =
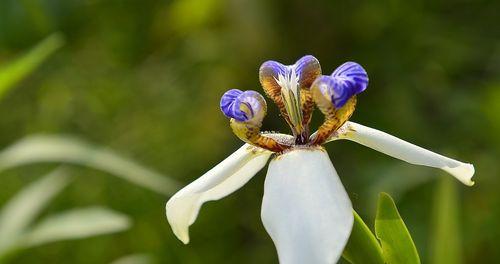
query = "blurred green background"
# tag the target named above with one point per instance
(143, 79)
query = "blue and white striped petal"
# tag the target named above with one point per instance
(346, 81)
(243, 106)
(351, 76)
(306, 70)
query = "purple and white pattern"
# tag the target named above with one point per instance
(346, 81)
(352, 76)
(242, 106)
(306, 68)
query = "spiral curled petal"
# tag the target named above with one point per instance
(227, 104)
(242, 106)
(346, 81)
(332, 90)
(351, 76)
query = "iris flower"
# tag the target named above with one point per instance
(305, 208)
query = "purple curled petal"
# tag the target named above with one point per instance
(334, 90)
(253, 102)
(352, 76)
(272, 68)
(227, 105)
(308, 69)
(268, 74)
(232, 103)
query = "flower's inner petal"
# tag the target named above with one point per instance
(269, 72)
(305, 208)
(328, 91)
(308, 69)
(222, 180)
(252, 105)
(243, 106)
(351, 76)
(348, 80)
(403, 150)
(290, 94)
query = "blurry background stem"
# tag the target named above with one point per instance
(446, 239)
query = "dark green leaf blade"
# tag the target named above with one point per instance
(397, 244)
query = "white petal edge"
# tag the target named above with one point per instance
(305, 208)
(403, 150)
(222, 180)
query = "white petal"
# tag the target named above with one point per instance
(403, 150)
(222, 180)
(305, 208)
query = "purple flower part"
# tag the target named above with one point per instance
(334, 90)
(227, 105)
(253, 101)
(272, 69)
(351, 76)
(307, 68)
(232, 101)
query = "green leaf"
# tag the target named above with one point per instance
(446, 241)
(20, 68)
(24, 207)
(362, 247)
(397, 244)
(76, 224)
(35, 149)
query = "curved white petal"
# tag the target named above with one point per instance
(403, 150)
(305, 208)
(222, 180)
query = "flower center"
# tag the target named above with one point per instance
(290, 92)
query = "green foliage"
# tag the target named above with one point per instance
(21, 210)
(18, 69)
(362, 246)
(397, 244)
(446, 238)
(43, 148)
(17, 230)
(75, 224)
(394, 244)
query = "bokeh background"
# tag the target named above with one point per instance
(141, 81)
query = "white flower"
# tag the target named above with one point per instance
(305, 208)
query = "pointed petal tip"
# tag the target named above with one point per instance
(183, 237)
(180, 217)
(226, 177)
(182, 234)
(463, 172)
(400, 149)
